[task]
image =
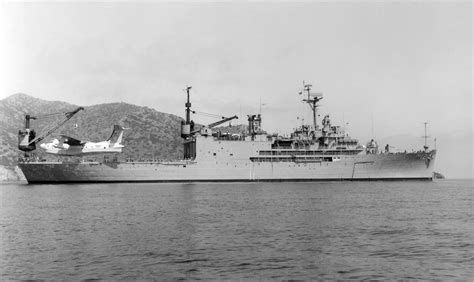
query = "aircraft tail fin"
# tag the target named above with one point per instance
(116, 137)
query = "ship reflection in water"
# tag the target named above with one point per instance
(319, 230)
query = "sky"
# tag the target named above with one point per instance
(384, 68)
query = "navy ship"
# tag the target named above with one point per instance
(314, 152)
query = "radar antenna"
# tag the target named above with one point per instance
(312, 100)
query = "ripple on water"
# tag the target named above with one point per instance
(408, 230)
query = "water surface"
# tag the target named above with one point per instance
(337, 230)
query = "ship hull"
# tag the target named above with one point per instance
(403, 166)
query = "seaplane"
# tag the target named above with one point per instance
(68, 146)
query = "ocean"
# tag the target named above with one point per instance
(318, 230)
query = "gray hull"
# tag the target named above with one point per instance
(403, 166)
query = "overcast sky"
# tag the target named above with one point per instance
(396, 64)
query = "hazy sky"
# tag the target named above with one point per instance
(398, 64)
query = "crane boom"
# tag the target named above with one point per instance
(224, 119)
(69, 115)
(26, 139)
(214, 124)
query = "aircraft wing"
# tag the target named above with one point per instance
(70, 141)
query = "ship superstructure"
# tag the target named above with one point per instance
(314, 152)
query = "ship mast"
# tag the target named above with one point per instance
(187, 127)
(188, 106)
(426, 137)
(312, 100)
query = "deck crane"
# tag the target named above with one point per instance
(214, 124)
(188, 132)
(27, 139)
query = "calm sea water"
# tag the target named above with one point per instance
(358, 230)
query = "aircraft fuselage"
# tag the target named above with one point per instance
(89, 148)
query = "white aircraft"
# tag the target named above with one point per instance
(68, 146)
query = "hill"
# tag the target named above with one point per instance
(150, 134)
